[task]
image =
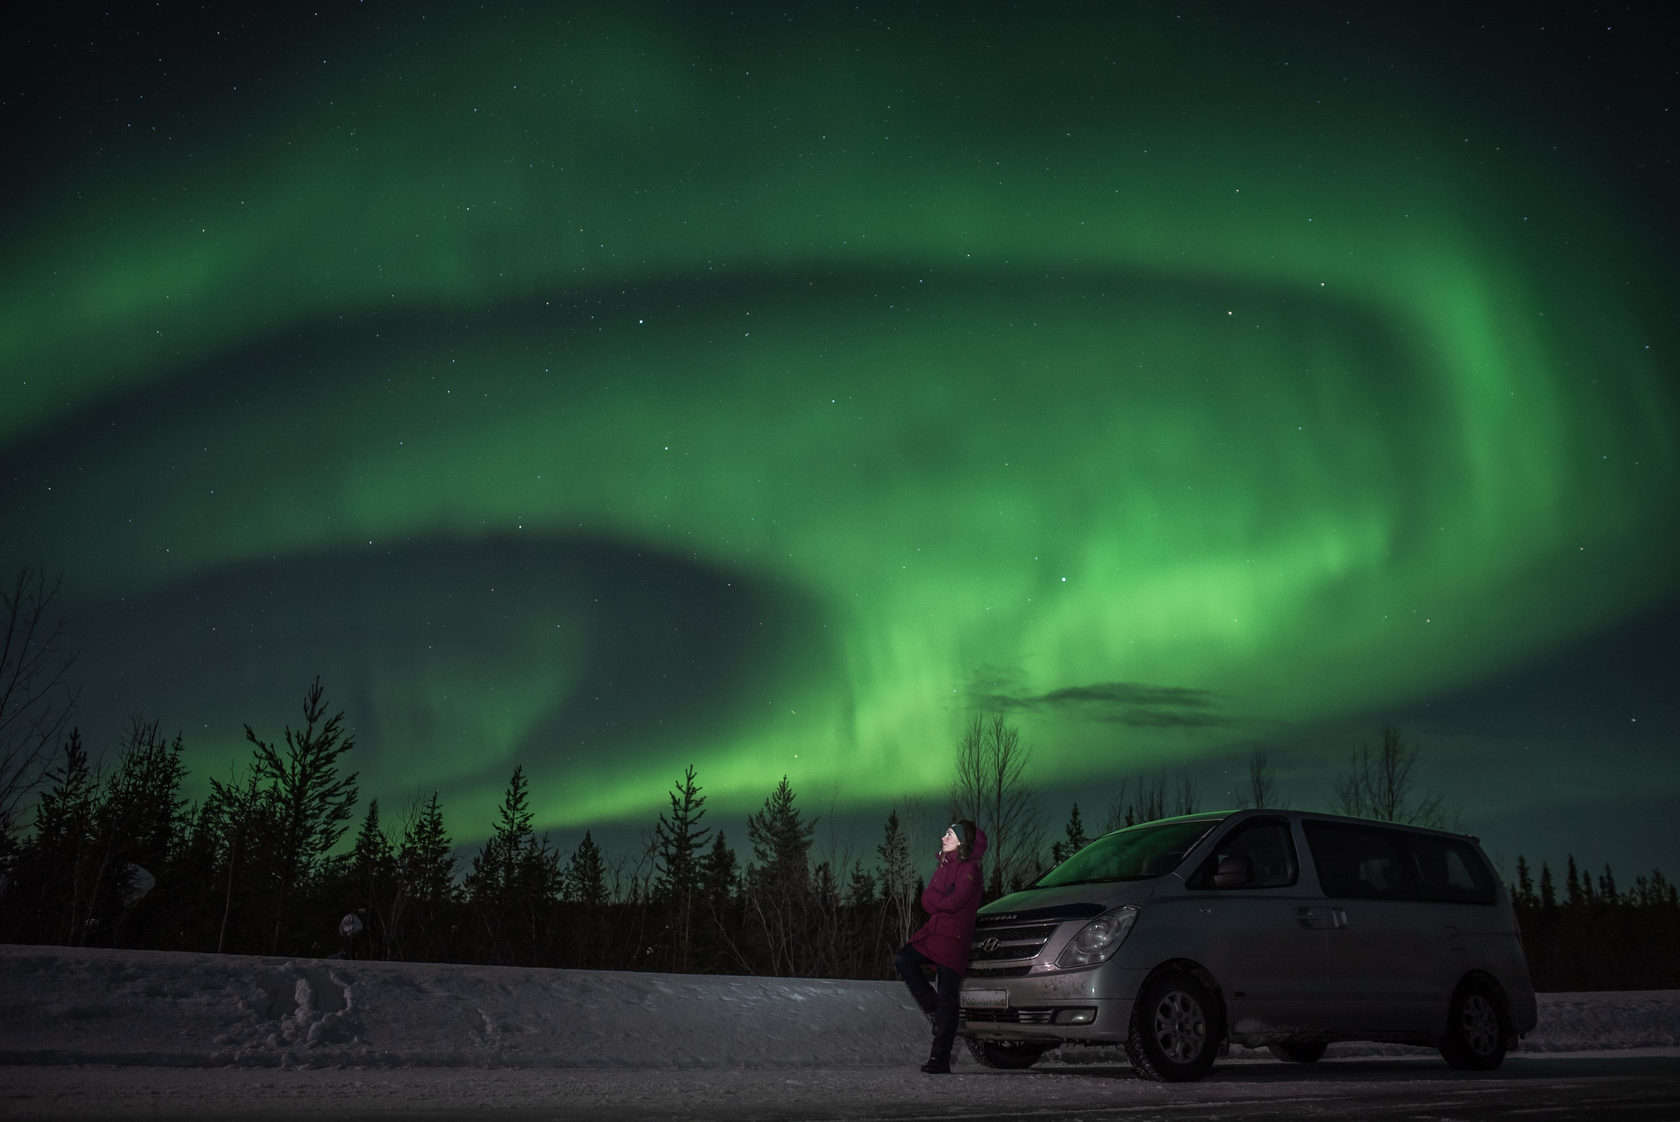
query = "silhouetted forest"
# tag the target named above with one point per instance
(118, 856)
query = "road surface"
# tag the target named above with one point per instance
(1619, 1086)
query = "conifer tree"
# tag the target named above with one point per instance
(585, 893)
(309, 800)
(1523, 895)
(718, 914)
(497, 869)
(778, 881)
(897, 879)
(426, 890)
(47, 899)
(781, 841)
(678, 840)
(586, 875)
(718, 873)
(241, 829)
(139, 823)
(515, 880)
(1074, 842)
(373, 867)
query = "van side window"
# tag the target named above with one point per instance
(1362, 861)
(1269, 849)
(1451, 871)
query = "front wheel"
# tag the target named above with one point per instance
(1008, 1054)
(1475, 1039)
(1175, 1029)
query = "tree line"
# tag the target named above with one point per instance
(123, 858)
(120, 857)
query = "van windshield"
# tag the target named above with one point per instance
(1130, 854)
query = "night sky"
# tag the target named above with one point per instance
(605, 389)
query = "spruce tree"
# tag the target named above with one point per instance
(139, 824)
(1076, 839)
(47, 900)
(586, 874)
(778, 882)
(678, 841)
(897, 878)
(426, 891)
(310, 801)
(373, 866)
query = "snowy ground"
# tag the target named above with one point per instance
(160, 1030)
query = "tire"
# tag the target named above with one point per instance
(1176, 1029)
(1298, 1051)
(1476, 1033)
(1009, 1055)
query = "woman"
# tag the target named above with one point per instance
(950, 900)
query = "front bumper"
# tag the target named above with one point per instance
(1091, 1006)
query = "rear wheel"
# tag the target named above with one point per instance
(1298, 1051)
(1175, 1029)
(1475, 1039)
(1010, 1054)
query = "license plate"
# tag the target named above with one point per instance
(985, 999)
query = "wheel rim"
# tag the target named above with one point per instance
(1180, 1027)
(1480, 1022)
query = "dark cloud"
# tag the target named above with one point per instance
(570, 648)
(1133, 704)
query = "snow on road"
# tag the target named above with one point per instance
(147, 1032)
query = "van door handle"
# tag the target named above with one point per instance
(1321, 919)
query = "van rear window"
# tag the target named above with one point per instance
(1383, 863)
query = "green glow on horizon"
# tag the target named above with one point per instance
(1054, 374)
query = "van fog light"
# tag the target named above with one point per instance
(1081, 1016)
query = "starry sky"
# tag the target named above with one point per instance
(607, 388)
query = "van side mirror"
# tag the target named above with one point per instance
(1233, 872)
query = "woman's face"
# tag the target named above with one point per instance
(951, 840)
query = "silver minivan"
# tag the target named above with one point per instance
(1287, 930)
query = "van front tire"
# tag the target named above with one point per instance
(1175, 1030)
(1476, 1034)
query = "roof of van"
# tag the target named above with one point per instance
(1329, 816)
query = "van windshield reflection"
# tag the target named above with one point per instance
(1135, 853)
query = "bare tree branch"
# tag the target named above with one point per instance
(36, 699)
(991, 788)
(1379, 785)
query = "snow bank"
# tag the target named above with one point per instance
(162, 1009)
(61, 1005)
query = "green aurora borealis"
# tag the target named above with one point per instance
(616, 389)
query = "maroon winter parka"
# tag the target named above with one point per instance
(950, 900)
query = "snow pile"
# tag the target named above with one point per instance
(162, 1009)
(61, 1005)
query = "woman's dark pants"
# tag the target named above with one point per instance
(940, 1005)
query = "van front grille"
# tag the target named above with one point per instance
(1010, 942)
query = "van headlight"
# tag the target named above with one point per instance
(1099, 939)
